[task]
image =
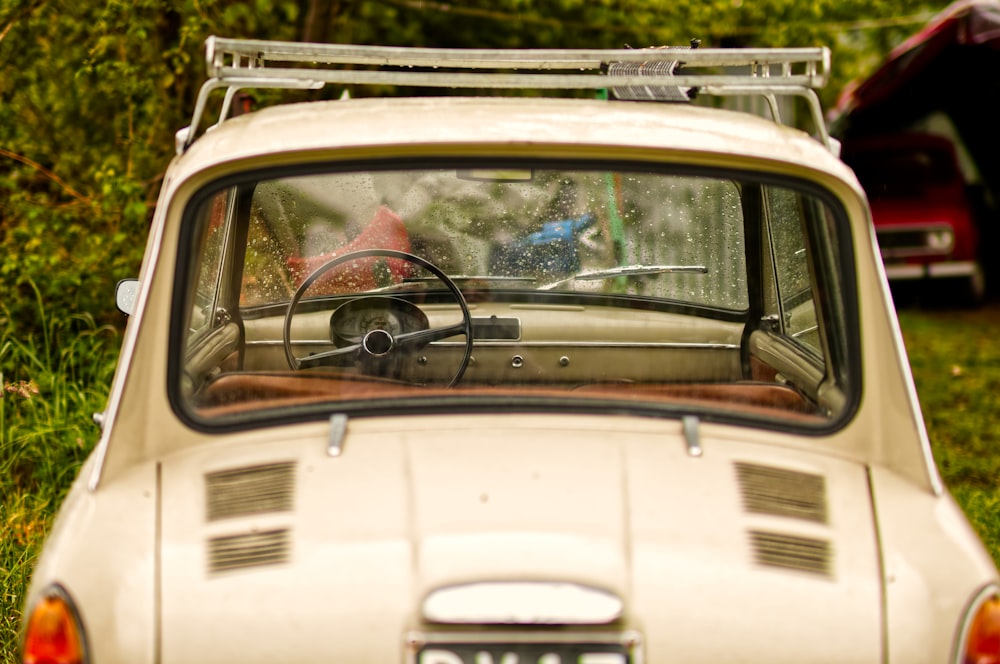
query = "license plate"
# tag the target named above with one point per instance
(523, 653)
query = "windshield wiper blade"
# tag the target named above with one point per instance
(469, 278)
(625, 271)
(414, 283)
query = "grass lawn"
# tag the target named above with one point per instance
(955, 357)
(46, 432)
(46, 429)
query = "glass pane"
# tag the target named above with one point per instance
(553, 232)
(210, 251)
(795, 286)
(608, 288)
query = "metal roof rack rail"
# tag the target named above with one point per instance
(664, 73)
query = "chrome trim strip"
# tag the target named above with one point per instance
(534, 344)
(627, 638)
(883, 592)
(338, 429)
(952, 269)
(931, 270)
(970, 613)
(158, 567)
(905, 272)
(692, 436)
(804, 331)
(521, 603)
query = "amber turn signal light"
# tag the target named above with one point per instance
(53, 634)
(982, 644)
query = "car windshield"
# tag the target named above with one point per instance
(527, 285)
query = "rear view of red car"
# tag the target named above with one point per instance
(923, 216)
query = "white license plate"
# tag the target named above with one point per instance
(523, 653)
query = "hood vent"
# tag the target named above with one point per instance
(249, 491)
(251, 550)
(781, 492)
(803, 554)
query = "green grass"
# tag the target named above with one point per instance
(50, 385)
(54, 382)
(955, 358)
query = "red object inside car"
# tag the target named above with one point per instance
(385, 231)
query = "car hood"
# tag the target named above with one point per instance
(276, 549)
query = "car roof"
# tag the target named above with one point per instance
(499, 124)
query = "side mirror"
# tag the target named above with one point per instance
(125, 293)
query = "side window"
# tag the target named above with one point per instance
(273, 241)
(794, 283)
(204, 308)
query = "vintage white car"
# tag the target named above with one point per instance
(598, 378)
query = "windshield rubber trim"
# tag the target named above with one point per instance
(845, 356)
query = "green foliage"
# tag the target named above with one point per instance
(91, 94)
(90, 97)
(858, 32)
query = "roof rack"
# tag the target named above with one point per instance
(659, 73)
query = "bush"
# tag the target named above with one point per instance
(91, 94)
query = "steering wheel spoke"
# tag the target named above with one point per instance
(421, 338)
(327, 358)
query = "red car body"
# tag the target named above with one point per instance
(923, 215)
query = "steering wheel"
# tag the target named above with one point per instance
(378, 343)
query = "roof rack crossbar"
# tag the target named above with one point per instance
(501, 81)
(241, 63)
(227, 56)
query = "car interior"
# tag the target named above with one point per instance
(526, 285)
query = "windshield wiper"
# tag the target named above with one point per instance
(419, 283)
(625, 271)
(462, 278)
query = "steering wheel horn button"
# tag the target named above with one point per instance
(378, 343)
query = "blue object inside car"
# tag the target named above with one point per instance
(551, 251)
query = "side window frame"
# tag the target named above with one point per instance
(794, 286)
(216, 277)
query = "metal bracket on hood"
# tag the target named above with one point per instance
(338, 429)
(691, 435)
